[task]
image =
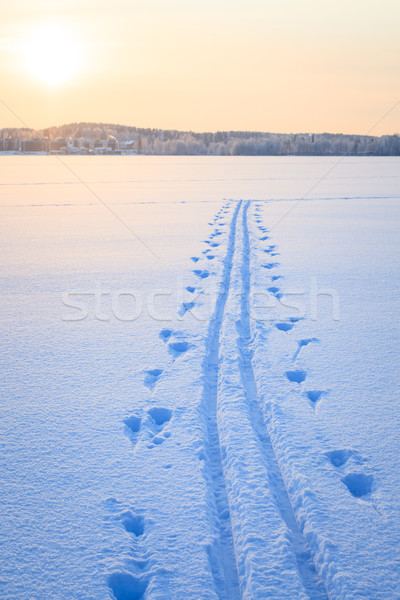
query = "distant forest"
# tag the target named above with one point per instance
(223, 143)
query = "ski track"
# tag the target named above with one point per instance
(226, 576)
(312, 585)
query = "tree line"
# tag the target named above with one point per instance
(223, 143)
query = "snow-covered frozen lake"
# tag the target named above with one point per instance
(199, 390)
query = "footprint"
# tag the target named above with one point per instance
(125, 586)
(273, 289)
(358, 484)
(195, 259)
(275, 277)
(157, 440)
(186, 306)
(270, 265)
(133, 423)
(152, 377)
(284, 326)
(339, 457)
(314, 396)
(303, 343)
(296, 376)
(178, 348)
(165, 334)
(133, 523)
(201, 274)
(214, 245)
(160, 415)
(265, 237)
(270, 248)
(191, 289)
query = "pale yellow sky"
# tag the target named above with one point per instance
(283, 66)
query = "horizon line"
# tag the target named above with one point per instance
(249, 131)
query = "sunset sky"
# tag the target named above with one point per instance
(287, 66)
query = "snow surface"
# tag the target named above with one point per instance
(223, 422)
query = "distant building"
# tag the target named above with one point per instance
(35, 145)
(9, 144)
(57, 145)
(113, 143)
(129, 147)
(71, 145)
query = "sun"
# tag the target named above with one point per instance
(52, 55)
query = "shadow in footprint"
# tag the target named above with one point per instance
(195, 259)
(284, 326)
(191, 289)
(133, 523)
(178, 348)
(358, 484)
(339, 458)
(186, 306)
(165, 334)
(314, 396)
(158, 440)
(160, 415)
(201, 274)
(270, 265)
(133, 424)
(152, 377)
(125, 586)
(271, 251)
(302, 343)
(296, 376)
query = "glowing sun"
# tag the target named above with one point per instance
(52, 55)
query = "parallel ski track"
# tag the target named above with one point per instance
(226, 576)
(312, 585)
(225, 573)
